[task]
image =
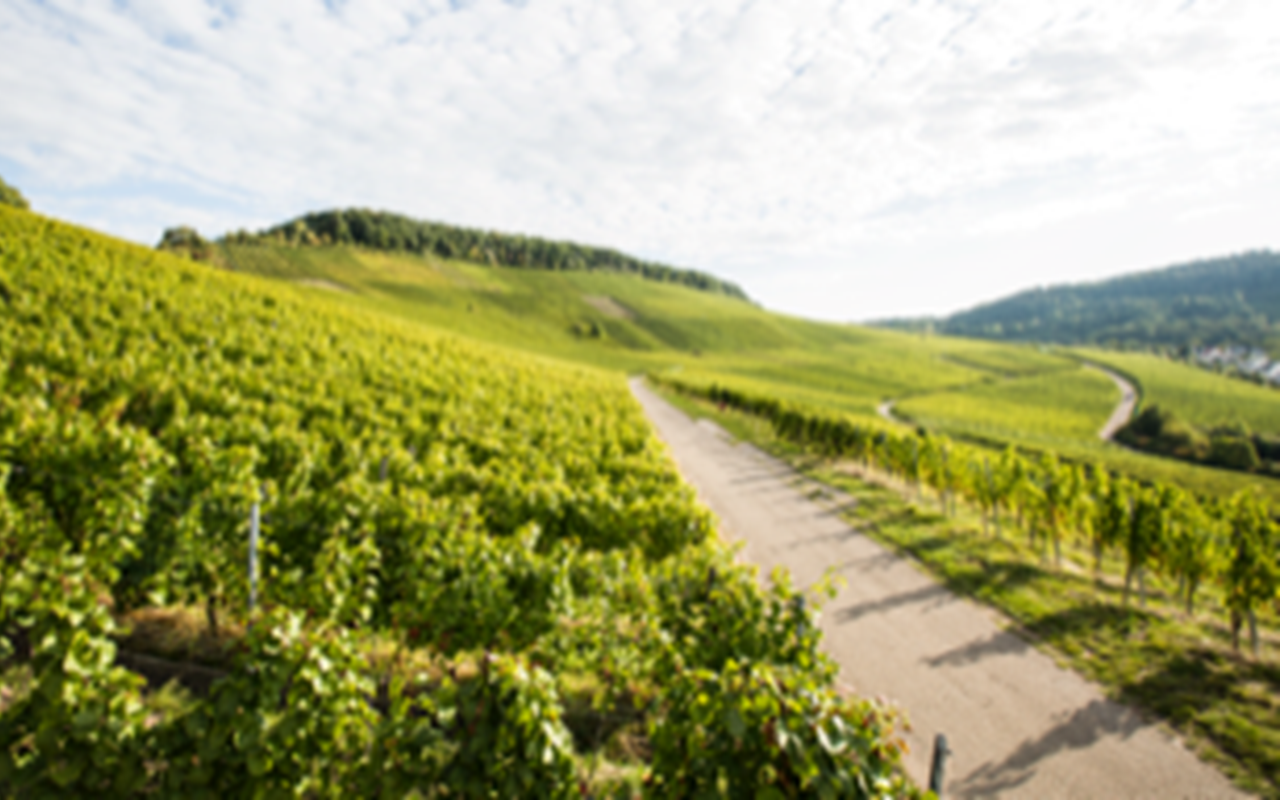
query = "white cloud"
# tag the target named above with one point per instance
(754, 139)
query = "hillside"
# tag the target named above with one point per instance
(385, 231)
(477, 573)
(1231, 300)
(465, 543)
(621, 322)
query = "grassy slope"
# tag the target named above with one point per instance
(1044, 410)
(995, 391)
(665, 326)
(1196, 395)
(1062, 411)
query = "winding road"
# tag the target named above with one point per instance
(1018, 724)
(1123, 411)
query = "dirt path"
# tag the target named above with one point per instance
(1018, 725)
(1124, 410)
(885, 410)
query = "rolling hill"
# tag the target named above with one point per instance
(620, 321)
(1230, 300)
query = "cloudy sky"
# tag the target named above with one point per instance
(844, 160)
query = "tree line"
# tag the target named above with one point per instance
(381, 230)
(1154, 528)
(1230, 446)
(1229, 300)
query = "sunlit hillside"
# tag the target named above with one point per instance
(992, 392)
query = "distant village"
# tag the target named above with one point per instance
(1248, 362)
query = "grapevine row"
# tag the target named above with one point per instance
(453, 539)
(1197, 542)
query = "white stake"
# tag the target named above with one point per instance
(254, 521)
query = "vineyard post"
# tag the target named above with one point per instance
(938, 766)
(946, 482)
(991, 499)
(915, 465)
(255, 517)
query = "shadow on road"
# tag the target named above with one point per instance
(933, 593)
(758, 477)
(838, 537)
(998, 644)
(879, 562)
(1081, 729)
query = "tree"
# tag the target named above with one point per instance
(186, 241)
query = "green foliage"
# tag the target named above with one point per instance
(294, 720)
(512, 522)
(1231, 446)
(186, 241)
(1215, 301)
(1233, 452)
(9, 196)
(1252, 576)
(1158, 657)
(1040, 410)
(386, 231)
(1054, 501)
(1197, 396)
(750, 730)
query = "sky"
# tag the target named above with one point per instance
(843, 160)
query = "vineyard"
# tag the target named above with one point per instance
(1199, 396)
(1046, 410)
(977, 390)
(479, 574)
(1152, 590)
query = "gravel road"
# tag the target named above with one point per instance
(1124, 409)
(1018, 724)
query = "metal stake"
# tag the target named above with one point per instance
(938, 768)
(254, 525)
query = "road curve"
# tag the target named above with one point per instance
(885, 410)
(1018, 725)
(1124, 409)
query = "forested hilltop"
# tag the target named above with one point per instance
(383, 230)
(1231, 300)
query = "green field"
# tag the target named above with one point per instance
(626, 323)
(1046, 411)
(478, 573)
(1196, 395)
(460, 501)
(1062, 412)
(1000, 393)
